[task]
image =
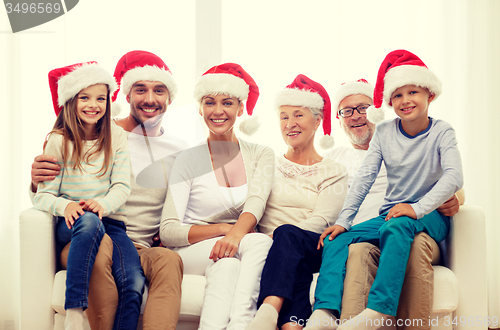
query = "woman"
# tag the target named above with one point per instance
(307, 196)
(217, 194)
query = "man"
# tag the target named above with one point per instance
(351, 101)
(149, 88)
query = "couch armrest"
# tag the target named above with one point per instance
(467, 259)
(38, 265)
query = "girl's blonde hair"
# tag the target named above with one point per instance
(70, 127)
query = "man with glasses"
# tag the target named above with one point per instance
(351, 102)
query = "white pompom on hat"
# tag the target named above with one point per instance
(66, 82)
(140, 65)
(230, 79)
(305, 92)
(400, 68)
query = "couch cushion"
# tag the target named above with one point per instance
(445, 290)
(193, 288)
(58, 292)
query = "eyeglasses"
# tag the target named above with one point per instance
(348, 112)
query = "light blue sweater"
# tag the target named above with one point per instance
(424, 170)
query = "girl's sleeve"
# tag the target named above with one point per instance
(172, 233)
(362, 182)
(331, 196)
(119, 189)
(261, 183)
(47, 196)
(450, 182)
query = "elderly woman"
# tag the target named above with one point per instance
(217, 194)
(307, 196)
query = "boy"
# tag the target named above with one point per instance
(424, 170)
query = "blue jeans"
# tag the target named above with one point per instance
(394, 237)
(126, 267)
(85, 237)
(288, 271)
(128, 274)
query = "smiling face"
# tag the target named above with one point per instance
(148, 100)
(219, 113)
(357, 127)
(411, 104)
(298, 126)
(91, 106)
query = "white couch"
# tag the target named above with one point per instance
(460, 297)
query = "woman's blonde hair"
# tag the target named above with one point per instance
(70, 127)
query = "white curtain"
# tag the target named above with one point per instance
(331, 41)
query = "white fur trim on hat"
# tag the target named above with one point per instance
(403, 75)
(83, 76)
(375, 115)
(149, 73)
(299, 98)
(351, 88)
(221, 83)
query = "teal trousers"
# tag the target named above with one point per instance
(394, 238)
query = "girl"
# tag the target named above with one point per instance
(95, 174)
(217, 194)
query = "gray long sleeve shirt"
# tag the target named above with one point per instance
(423, 170)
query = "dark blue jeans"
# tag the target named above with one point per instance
(288, 271)
(85, 237)
(128, 274)
(126, 267)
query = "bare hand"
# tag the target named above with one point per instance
(71, 213)
(333, 231)
(225, 248)
(92, 206)
(400, 210)
(44, 168)
(450, 207)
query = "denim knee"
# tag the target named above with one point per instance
(89, 222)
(136, 283)
(128, 274)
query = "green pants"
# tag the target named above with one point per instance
(394, 237)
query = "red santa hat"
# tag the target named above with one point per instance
(66, 82)
(233, 80)
(140, 65)
(360, 86)
(305, 92)
(400, 68)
